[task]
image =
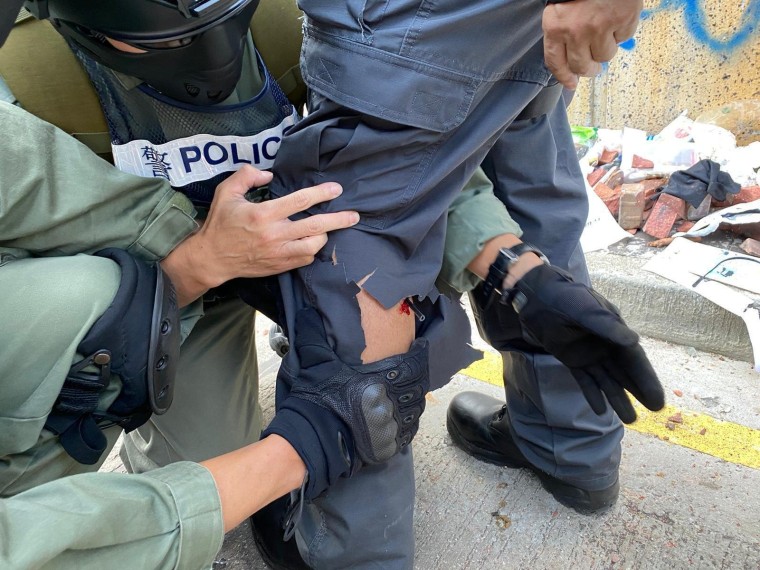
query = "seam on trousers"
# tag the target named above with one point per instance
(317, 540)
(555, 463)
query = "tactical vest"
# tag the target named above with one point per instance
(193, 147)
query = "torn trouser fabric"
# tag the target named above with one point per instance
(407, 99)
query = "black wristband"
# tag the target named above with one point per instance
(499, 269)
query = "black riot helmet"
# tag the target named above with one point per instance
(191, 50)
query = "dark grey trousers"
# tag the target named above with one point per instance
(407, 99)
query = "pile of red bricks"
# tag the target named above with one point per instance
(641, 206)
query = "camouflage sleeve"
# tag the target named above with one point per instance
(475, 217)
(58, 198)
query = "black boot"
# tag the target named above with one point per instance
(267, 529)
(480, 425)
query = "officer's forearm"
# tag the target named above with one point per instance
(252, 477)
(187, 275)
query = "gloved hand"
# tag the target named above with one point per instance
(585, 332)
(338, 416)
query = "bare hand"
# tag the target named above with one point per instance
(244, 239)
(581, 34)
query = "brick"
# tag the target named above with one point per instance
(613, 178)
(746, 194)
(745, 230)
(684, 226)
(610, 197)
(632, 202)
(607, 156)
(640, 162)
(701, 211)
(675, 203)
(651, 186)
(595, 176)
(664, 214)
(662, 242)
(751, 246)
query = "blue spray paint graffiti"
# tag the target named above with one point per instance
(696, 23)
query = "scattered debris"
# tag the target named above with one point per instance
(703, 431)
(710, 401)
(670, 425)
(639, 162)
(607, 157)
(676, 418)
(502, 521)
(687, 171)
(664, 242)
(751, 246)
(678, 393)
(690, 180)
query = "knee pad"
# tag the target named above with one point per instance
(137, 338)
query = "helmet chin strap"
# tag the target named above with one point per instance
(9, 9)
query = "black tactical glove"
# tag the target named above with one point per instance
(338, 416)
(584, 331)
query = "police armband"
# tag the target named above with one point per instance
(137, 338)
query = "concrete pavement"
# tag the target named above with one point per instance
(689, 479)
(661, 309)
(679, 507)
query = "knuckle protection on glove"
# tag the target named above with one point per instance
(392, 402)
(381, 403)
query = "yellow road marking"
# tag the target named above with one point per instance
(725, 440)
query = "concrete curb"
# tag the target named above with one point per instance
(658, 308)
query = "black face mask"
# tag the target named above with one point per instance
(203, 70)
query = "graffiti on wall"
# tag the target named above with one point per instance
(697, 26)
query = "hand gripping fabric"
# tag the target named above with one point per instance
(357, 414)
(136, 338)
(585, 332)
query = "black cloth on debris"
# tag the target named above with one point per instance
(704, 178)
